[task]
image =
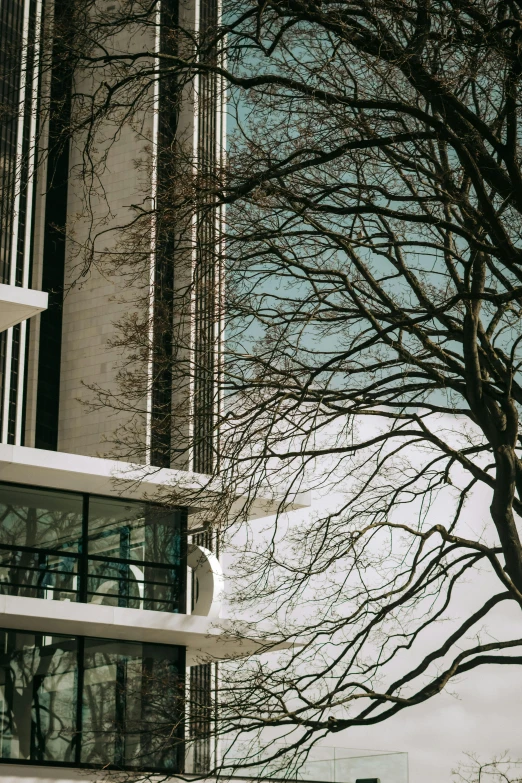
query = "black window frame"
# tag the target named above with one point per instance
(83, 557)
(80, 657)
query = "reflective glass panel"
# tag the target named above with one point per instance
(39, 575)
(38, 688)
(91, 702)
(120, 553)
(133, 585)
(139, 551)
(134, 531)
(40, 519)
(133, 705)
(40, 541)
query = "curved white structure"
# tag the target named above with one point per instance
(209, 581)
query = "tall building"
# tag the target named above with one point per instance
(108, 599)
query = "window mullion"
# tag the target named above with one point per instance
(84, 555)
(79, 699)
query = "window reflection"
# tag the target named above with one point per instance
(69, 547)
(135, 555)
(40, 538)
(131, 696)
(39, 575)
(40, 518)
(135, 531)
(38, 676)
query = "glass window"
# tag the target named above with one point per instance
(38, 679)
(39, 575)
(40, 519)
(135, 531)
(40, 541)
(135, 555)
(72, 547)
(131, 696)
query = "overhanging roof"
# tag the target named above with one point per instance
(204, 638)
(77, 473)
(17, 304)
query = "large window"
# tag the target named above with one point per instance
(71, 547)
(91, 702)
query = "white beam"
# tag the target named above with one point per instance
(204, 638)
(17, 304)
(99, 476)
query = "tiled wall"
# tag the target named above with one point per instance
(96, 300)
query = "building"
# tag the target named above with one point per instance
(108, 601)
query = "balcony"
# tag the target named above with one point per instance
(73, 547)
(17, 304)
(88, 565)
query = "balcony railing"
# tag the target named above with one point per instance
(67, 547)
(321, 764)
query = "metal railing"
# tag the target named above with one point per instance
(71, 576)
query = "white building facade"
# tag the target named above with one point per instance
(109, 606)
(110, 602)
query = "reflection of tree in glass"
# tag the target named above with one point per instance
(38, 689)
(39, 539)
(142, 550)
(161, 720)
(133, 706)
(33, 519)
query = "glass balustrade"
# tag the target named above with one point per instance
(319, 764)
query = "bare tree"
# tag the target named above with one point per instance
(500, 768)
(373, 196)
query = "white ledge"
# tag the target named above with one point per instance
(98, 476)
(205, 640)
(17, 304)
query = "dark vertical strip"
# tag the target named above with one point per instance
(205, 277)
(13, 383)
(49, 359)
(120, 709)
(183, 532)
(163, 312)
(200, 711)
(3, 348)
(123, 567)
(182, 701)
(83, 565)
(80, 670)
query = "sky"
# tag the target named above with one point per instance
(480, 714)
